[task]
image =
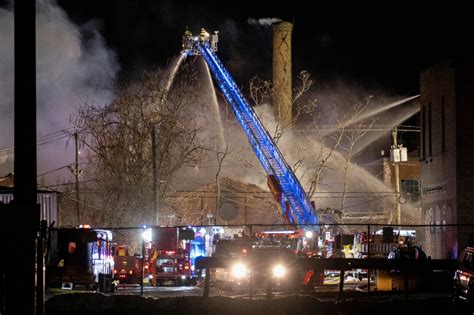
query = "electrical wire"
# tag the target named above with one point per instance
(70, 183)
(48, 138)
(52, 171)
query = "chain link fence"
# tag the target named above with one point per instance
(160, 261)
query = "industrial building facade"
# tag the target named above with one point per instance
(446, 155)
(234, 202)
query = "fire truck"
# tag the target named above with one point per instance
(291, 198)
(81, 257)
(290, 195)
(168, 256)
(127, 268)
(300, 242)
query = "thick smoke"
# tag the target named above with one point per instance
(242, 164)
(6, 82)
(298, 145)
(263, 21)
(73, 67)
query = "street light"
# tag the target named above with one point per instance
(147, 234)
(146, 238)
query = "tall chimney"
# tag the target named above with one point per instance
(282, 95)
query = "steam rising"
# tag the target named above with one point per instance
(263, 21)
(73, 66)
(242, 164)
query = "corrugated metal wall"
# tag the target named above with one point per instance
(48, 205)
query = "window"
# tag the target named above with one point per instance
(71, 247)
(443, 125)
(121, 251)
(467, 262)
(411, 188)
(423, 133)
(430, 138)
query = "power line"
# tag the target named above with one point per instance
(51, 137)
(51, 140)
(369, 201)
(70, 183)
(377, 128)
(55, 170)
(86, 204)
(352, 129)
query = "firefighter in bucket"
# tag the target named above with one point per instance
(204, 35)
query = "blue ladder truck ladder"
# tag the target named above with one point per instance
(294, 202)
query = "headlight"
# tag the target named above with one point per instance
(239, 270)
(279, 271)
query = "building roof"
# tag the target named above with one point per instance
(7, 184)
(227, 185)
(6, 181)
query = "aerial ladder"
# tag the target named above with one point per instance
(290, 195)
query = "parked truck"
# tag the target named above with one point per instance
(127, 268)
(80, 257)
(169, 256)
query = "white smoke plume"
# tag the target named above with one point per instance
(73, 66)
(263, 21)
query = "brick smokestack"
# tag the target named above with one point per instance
(282, 96)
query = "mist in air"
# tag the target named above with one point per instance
(74, 66)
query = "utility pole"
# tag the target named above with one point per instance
(76, 173)
(155, 173)
(143, 261)
(40, 273)
(396, 159)
(18, 272)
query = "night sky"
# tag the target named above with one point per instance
(359, 48)
(376, 44)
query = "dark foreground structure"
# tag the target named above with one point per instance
(96, 303)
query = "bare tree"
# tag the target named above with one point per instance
(261, 92)
(221, 153)
(352, 131)
(312, 159)
(325, 146)
(118, 138)
(311, 146)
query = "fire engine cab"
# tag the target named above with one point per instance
(168, 256)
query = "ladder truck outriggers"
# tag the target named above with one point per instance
(291, 198)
